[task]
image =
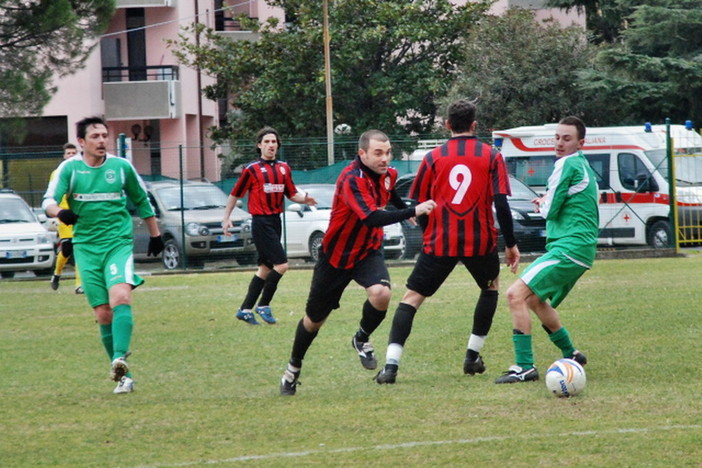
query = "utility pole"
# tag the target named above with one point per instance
(327, 80)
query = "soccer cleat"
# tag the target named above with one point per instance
(365, 353)
(79, 290)
(266, 314)
(247, 317)
(125, 385)
(289, 383)
(578, 357)
(473, 367)
(386, 376)
(517, 374)
(119, 368)
(55, 281)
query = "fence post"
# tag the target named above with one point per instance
(673, 216)
(182, 208)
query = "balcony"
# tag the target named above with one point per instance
(230, 28)
(133, 93)
(144, 3)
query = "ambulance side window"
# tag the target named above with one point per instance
(600, 164)
(631, 171)
(532, 170)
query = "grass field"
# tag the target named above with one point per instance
(207, 384)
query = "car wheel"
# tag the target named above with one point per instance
(660, 235)
(171, 256)
(7, 274)
(245, 259)
(315, 244)
(46, 272)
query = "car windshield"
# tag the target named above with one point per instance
(14, 210)
(194, 198)
(520, 191)
(322, 193)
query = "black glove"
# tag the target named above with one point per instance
(155, 246)
(67, 217)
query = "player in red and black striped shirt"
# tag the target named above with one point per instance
(267, 181)
(465, 177)
(351, 251)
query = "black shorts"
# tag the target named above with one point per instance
(329, 283)
(431, 271)
(66, 247)
(266, 231)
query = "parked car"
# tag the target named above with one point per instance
(201, 212)
(304, 226)
(529, 227)
(25, 244)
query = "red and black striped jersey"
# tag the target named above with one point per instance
(359, 193)
(266, 182)
(462, 176)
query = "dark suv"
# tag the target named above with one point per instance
(529, 227)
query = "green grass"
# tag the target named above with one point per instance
(207, 384)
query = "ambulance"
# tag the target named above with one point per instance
(632, 177)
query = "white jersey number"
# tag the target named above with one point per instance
(459, 180)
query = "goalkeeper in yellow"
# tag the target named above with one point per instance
(65, 235)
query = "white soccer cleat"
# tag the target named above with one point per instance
(125, 385)
(120, 368)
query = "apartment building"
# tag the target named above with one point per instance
(134, 81)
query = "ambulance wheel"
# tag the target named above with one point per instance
(660, 235)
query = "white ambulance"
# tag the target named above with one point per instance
(632, 171)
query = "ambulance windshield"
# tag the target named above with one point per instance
(688, 165)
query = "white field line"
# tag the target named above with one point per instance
(283, 455)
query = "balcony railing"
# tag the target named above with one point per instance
(148, 73)
(144, 3)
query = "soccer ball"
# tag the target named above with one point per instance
(565, 378)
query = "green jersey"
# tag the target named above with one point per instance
(570, 209)
(98, 195)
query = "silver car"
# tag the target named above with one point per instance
(25, 244)
(199, 208)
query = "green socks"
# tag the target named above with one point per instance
(122, 325)
(523, 351)
(561, 338)
(106, 337)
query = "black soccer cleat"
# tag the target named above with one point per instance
(517, 374)
(364, 349)
(386, 376)
(289, 383)
(472, 367)
(578, 357)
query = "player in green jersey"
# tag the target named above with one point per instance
(97, 186)
(570, 209)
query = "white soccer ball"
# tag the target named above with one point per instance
(565, 378)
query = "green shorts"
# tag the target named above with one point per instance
(104, 266)
(551, 276)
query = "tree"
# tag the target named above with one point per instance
(605, 19)
(522, 72)
(390, 61)
(656, 70)
(41, 39)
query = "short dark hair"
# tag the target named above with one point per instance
(265, 131)
(461, 115)
(69, 146)
(577, 123)
(82, 125)
(368, 135)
